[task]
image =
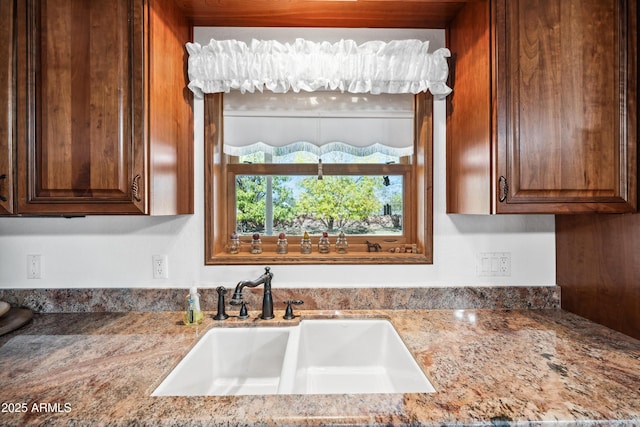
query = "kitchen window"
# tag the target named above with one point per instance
(296, 163)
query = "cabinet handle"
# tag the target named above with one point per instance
(503, 189)
(3, 176)
(135, 185)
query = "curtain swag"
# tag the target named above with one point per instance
(399, 66)
(318, 150)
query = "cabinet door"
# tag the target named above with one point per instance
(7, 105)
(566, 105)
(80, 85)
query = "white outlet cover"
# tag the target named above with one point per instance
(493, 264)
(160, 265)
(34, 266)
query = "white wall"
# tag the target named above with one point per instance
(116, 251)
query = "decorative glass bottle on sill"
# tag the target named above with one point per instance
(341, 243)
(256, 244)
(234, 244)
(282, 246)
(323, 244)
(305, 244)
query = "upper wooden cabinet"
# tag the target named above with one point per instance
(543, 116)
(7, 106)
(104, 117)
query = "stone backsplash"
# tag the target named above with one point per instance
(145, 299)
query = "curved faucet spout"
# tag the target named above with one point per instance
(267, 301)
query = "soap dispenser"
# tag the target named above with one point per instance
(193, 314)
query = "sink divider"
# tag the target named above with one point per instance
(290, 362)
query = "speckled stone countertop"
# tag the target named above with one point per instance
(489, 367)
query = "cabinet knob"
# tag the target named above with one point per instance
(503, 189)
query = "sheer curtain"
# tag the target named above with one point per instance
(398, 66)
(319, 123)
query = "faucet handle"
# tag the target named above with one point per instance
(243, 311)
(288, 314)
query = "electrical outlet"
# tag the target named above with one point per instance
(160, 265)
(34, 266)
(493, 264)
(504, 264)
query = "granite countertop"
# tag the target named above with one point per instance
(505, 367)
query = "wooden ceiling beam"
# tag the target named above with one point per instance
(321, 13)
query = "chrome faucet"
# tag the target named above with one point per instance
(267, 300)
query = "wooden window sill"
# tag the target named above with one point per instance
(351, 257)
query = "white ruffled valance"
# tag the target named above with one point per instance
(399, 66)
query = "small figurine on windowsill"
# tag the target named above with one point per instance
(234, 244)
(341, 243)
(373, 247)
(305, 244)
(256, 244)
(282, 246)
(324, 246)
(405, 249)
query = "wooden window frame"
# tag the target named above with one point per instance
(219, 180)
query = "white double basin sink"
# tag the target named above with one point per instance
(318, 356)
